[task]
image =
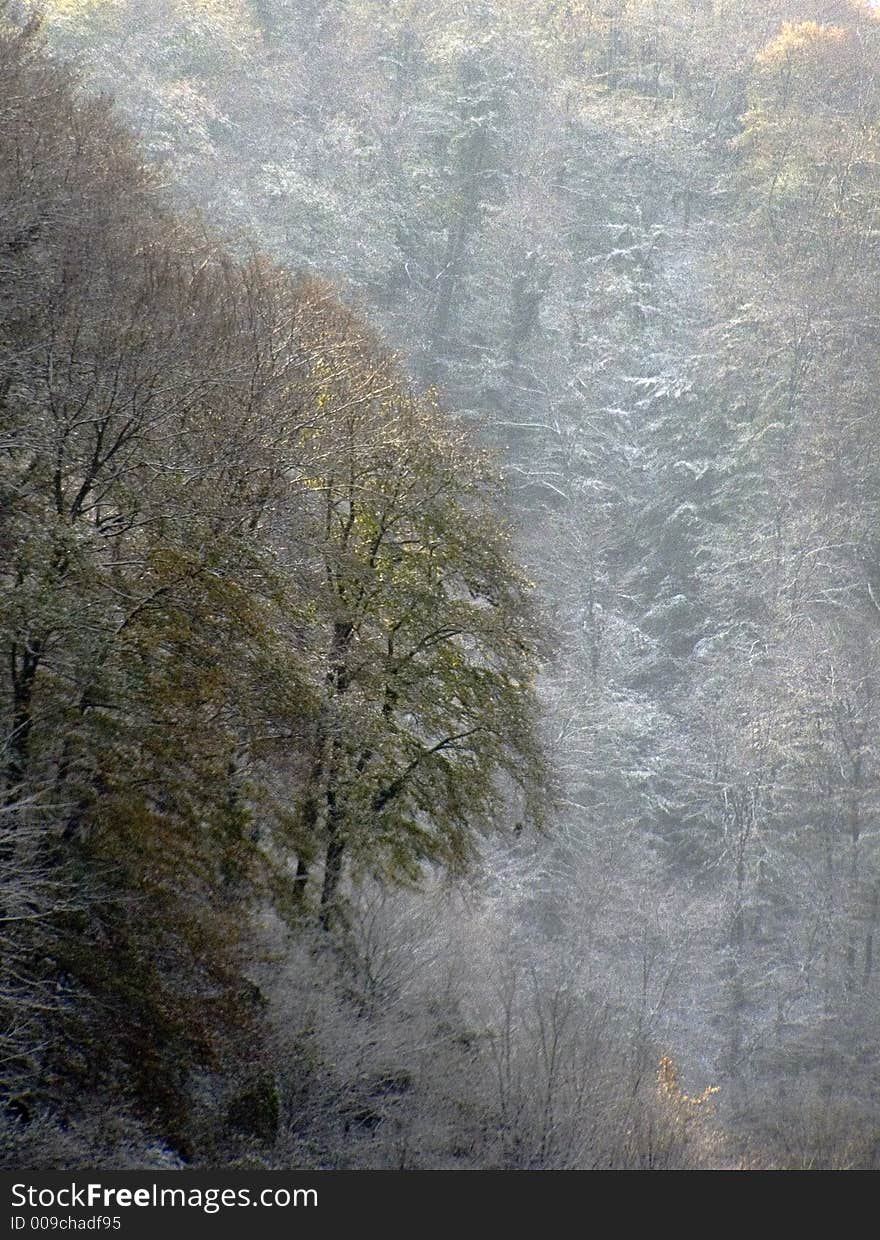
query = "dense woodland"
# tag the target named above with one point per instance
(440, 584)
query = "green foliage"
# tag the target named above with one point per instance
(420, 626)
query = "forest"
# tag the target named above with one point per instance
(439, 584)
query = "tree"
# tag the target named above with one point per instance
(423, 626)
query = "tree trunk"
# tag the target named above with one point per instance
(23, 667)
(332, 875)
